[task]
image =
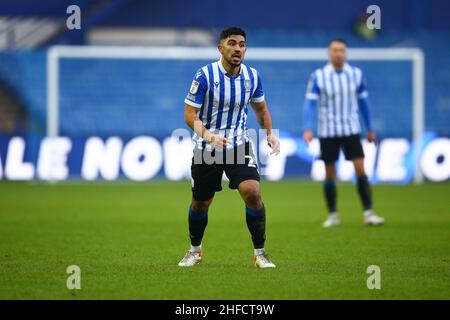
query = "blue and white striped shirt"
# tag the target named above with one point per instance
(338, 93)
(223, 100)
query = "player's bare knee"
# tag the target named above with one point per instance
(360, 171)
(359, 168)
(330, 175)
(200, 206)
(252, 198)
(330, 171)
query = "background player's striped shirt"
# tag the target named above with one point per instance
(338, 94)
(223, 100)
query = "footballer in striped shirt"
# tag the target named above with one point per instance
(338, 92)
(216, 110)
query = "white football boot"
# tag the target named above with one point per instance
(263, 261)
(332, 220)
(191, 259)
(372, 219)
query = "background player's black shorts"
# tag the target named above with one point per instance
(351, 145)
(238, 163)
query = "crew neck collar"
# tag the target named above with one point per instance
(222, 69)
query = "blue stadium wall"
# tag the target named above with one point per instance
(286, 14)
(133, 102)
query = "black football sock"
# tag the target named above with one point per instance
(329, 188)
(197, 225)
(256, 223)
(364, 192)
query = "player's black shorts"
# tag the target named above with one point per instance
(207, 168)
(351, 145)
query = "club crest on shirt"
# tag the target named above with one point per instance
(247, 85)
(194, 87)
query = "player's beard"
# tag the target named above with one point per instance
(234, 65)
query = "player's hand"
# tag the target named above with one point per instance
(216, 140)
(274, 144)
(308, 135)
(371, 136)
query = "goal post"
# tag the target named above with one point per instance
(413, 55)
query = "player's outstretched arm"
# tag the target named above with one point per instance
(265, 121)
(192, 120)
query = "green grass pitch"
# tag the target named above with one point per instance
(127, 238)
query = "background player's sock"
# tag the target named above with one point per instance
(368, 212)
(196, 249)
(197, 225)
(258, 252)
(256, 223)
(329, 188)
(364, 192)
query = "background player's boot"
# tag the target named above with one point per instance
(372, 219)
(333, 220)
(263, 261)
(191, 259)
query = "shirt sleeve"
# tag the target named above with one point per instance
(362, 89)
(309, 108)
(312, 90)
(197, 92)
(364, 107)
(258, 95)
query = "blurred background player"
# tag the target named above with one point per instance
(216, 109)
(339, 90)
